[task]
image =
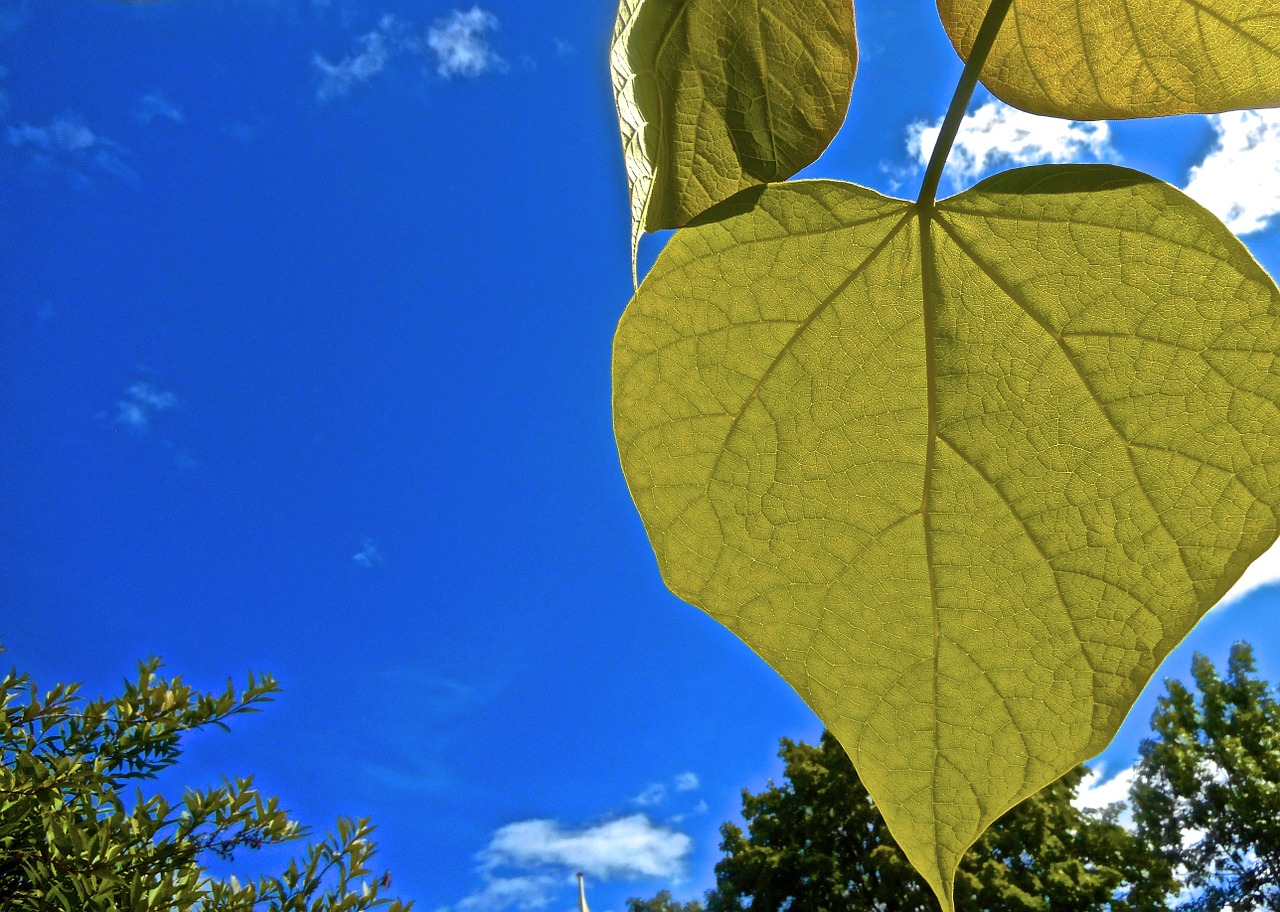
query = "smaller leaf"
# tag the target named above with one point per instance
(1102, 59)
(715, 96)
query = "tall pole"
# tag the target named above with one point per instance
(582, 895)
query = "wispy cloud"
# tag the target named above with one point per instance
(1239, 179)
(456, 45)
(140, 404)
(657, 792)
(422, 758)
(154, 106)
(66, 143)
(1265, 571)
(460, 43)
(653, 794)
(687, 782)
(373, 51)
(700, 808)
(996, 135)
(369, 556)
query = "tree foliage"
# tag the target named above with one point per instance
(1204, 834)
(1207, 794)
(964, 472)
(78, 833)
(817, 843)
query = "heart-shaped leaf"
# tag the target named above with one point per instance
(716, 95)
(1095, 59)
(963, 479)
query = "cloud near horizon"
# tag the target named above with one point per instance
(527, 863)
(996, 134)
(627, 848)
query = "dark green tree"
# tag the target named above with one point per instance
(1207, 794)
(817, 843)
(73, 838)
(663, 903)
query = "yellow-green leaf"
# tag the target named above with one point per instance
(1096, 59)
(717, 95)
(964, 487)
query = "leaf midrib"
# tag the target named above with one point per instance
(927, 289)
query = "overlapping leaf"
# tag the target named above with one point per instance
(963, 481)
(1094, 59)
(717, 95)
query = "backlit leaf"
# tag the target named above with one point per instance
(1095, 59)
(964, 487)
(717, 95)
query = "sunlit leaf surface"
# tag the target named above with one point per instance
(1095, 59)
(964, 487)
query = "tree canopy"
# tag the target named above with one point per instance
(1207, 794)
(1204, 835)
(73, 837)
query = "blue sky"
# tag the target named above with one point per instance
(305, 329)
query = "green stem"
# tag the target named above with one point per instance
(960, 101)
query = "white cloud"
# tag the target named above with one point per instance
(154, 106)
(996, 134)
(687, 782)
(140, 404)
(68, 142)
(1239, 180)
(527, 863)
(461, 45)
(654, 794)
(531, 891)
(1265, 571)
(369, 556)
(657, 792)
(1097, 791)
(373, 52)
(628, 847)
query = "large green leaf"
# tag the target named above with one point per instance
(964, 488)
(1094, 59)
(717, 95)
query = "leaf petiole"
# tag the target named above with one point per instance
(982, 45)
